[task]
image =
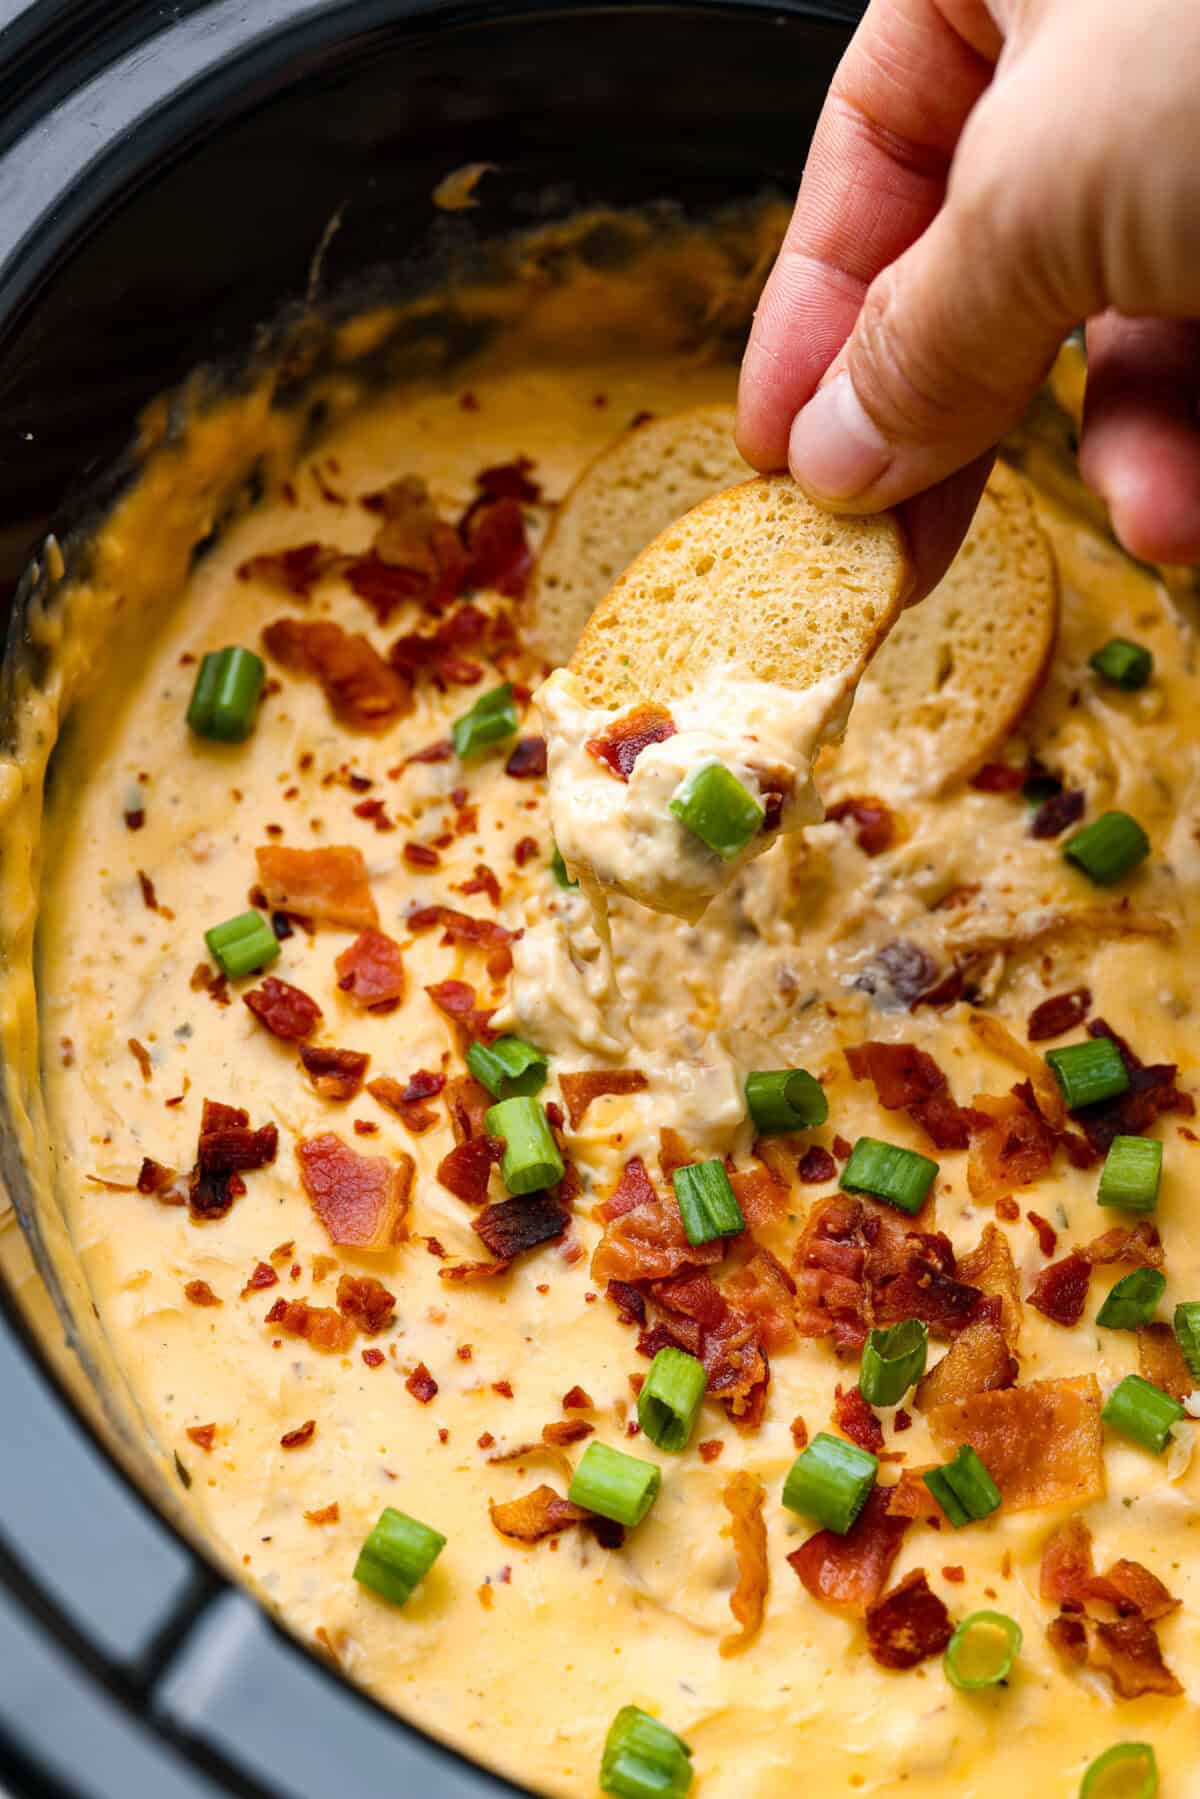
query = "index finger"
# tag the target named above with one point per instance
(875, 178)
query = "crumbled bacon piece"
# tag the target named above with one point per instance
(1058, 1014)
(524, 850)
(199, 1293)
(799, 1430)
(630, 1304)
(874, 825)
(421, 1384)
(297, 571)
(334, 1073)
(906, 1077)
(911, 1499)
(542, 1513)
(415, 555)
(620, 745)
(999, 777)
(816, 1166)
(990, 1267)
(514, 1225)
(996, 1037)
(527, 759)
(761, 1196)
(1012, 1146)
(153, 1177)
(482, 881)
(321, 1326)
(765, 1291)
(912, 1274)
(564, 1432)
(645, 1238)
(371, 971)
(263, 1275)
(1152, 1090)
(300, 1437)
(500, 554)
(466, 1169)
(468, 1103)
(510, 481)
(1160, 1361)
(1041, 1443)
(460, 927)
(909, 1624)
(635, 1188)
(579, 1090)
(743, 1499)
(851, 1571)
(456, 1001)
(830, 1266)
(203, 1436)
(1056, 813)
(329, 885)
(287, 1011)
(577, 1400)
(710, 1449)
(1126, 1649)
(363, 692)
(421, 855)
(855, 1419)
(228, 1145)
(978, 1361)
(362, 1201)
(1139, 1243)
(1047, 1236)
(1061, 1289)
(366, 1301)
(406, 1098)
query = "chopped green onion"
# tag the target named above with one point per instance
(1130, 1175)
(1089, 1072)
(242, 945)
(717, 809)
(900, 1176)
(618, 1486)
(1123, 664)
(509, 1068)
(982, 1651)
(559, 869)
(707, 1203)
(830, 1482)
(1133, 1301)
(893, 1361)
(643, 1759)
(226, 695)
(1109, 848)
(787, 1099)
(1187, 1335)
(670, 1399)
(1120, 1760)
(963, 1488)
(531, 1160)
(1140, 1410)
(492, 719)
(397, 1555)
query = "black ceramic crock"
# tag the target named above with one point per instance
(166, 173)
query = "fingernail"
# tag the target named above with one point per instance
(835, 452)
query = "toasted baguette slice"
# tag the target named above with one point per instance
(960, 669)
(757, 577)
(633, 490)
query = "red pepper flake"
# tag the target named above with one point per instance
(263, 1276)
(816, 1165)
(421, 1384)
(623, 742)
(1047, 1236)
(375, 812)
(710, 1449)
(203, 1436)
(302, 1435)
(1055, 814)
(1060, 1013)
(466, 1169)
(374, 1358)
(420, 856)
(135, 818)
(326, 1514)
(527, 760)
(141, 1056)
(199, 1293)
(874, 825)
(524, 849)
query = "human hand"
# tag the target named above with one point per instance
(982, 178)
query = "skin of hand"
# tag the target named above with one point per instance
(982, 178)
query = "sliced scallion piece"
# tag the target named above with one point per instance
(1088, 1072)
(1186, 1326)
(671, 1396)
(982, 1651)
(1115, 1774)
(397, 1555)
(492, 719)
(1131, 1173)
(785, 1099)
(1109, 848)
(718, 809)
(1133, 1301)
(886, 1171)
(643, 1759)
(707, 1202)
(830, 1481)
(559, 869)
(1139, 1409)
(531, 1160)
(963, 1488)
(893, 1361)
(1123, 663)
(225, 698)
(509, 1068)
(242, 945)
(617, 1486)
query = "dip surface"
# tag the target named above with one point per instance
(522, 1655)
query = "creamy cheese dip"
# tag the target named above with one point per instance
(522, 1655)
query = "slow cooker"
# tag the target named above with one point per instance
(174, 180)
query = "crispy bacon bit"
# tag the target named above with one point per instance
(1127, 1650)
(362, 1201)
(622, 743)
(199, 1293)
(363, 692)
(406, 1098)
(759, 1193)
(990, 1267)
(855, 1419)
(1013, 1147)
(1160, 1361)
(420, 855)
(743, 1499)
(527, 760)
(566, 1431)
(1061, 1013)
(815, 1166)
(460, 927)
(999, 777)
(851, 1571)
(1152, 1090)
(629, 1302)
(421, 1384)
(912, 1274)
(514, 1225)
(153, 1177)
(482, 881)
(263, 1276)
(335, 1073)
(911, 1499)
(635, 1188)
(1041, 1443)
(371, 972)
(456, 1001)
(364, 1300)
(978, 1361)
(577, 1400)
(997, 1038)
(297, 571)
(1060, 1291)
(874, 825)
(799, 1430)
(830, 1267)
(227, 1144)
(1138, 1243)
(645, 1238)
(542, 1513)
(510, 481)
(203, 1436)
(905, 1077)
(500, 555)
(1066, 1567)
(320, 1326)
(710, 1449)
(325, 1514)
(328, 885)
(303, 1434)
(461, 1272)
(1056, 813)
(466, 1169)
(1047, 1236)
(524, 850)
(579, 1090)
(910, 1624)
(765, 1291)
(286, 1011)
